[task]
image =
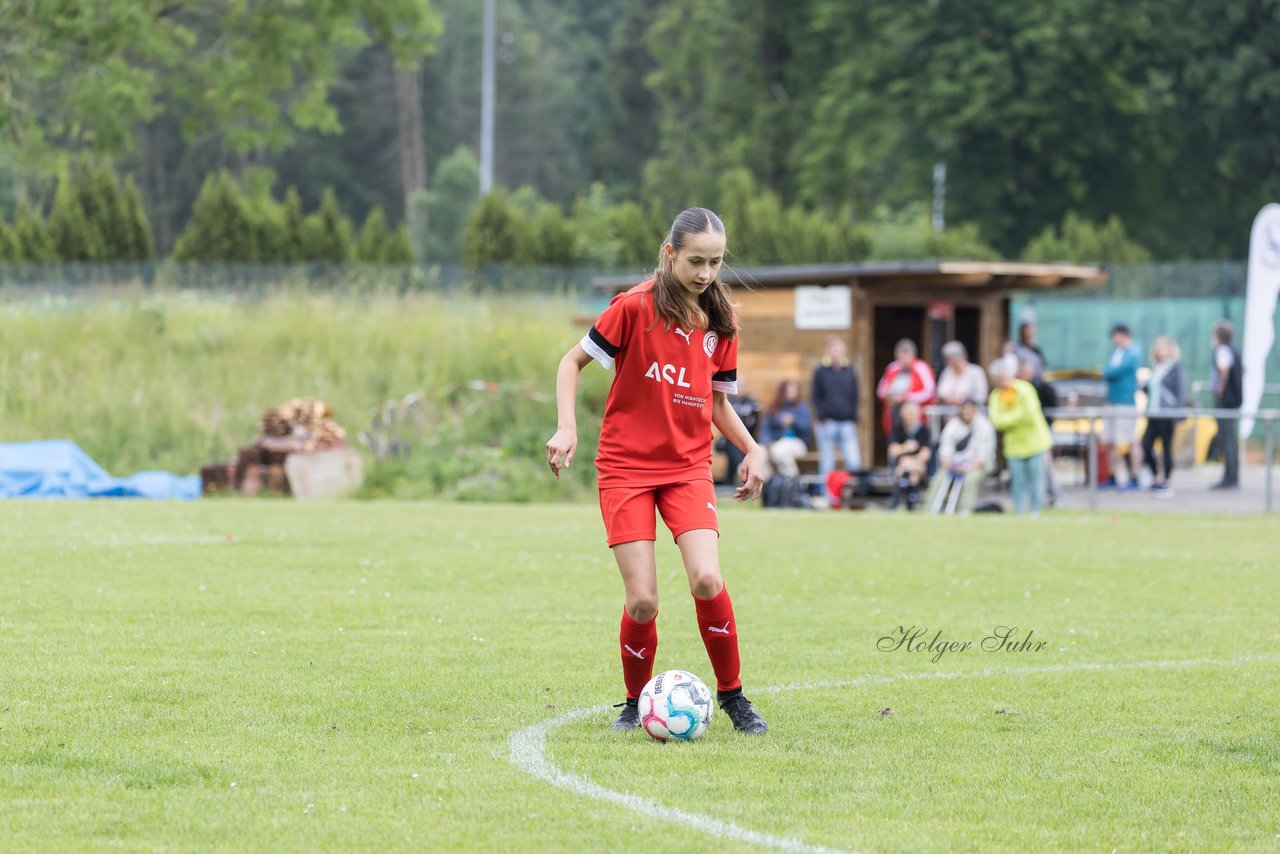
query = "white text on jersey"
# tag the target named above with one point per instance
(667, 374)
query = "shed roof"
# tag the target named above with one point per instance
(995, 275)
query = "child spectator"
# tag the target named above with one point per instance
(785, 434)
(1167, 389)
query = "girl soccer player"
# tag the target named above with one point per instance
(673, 344)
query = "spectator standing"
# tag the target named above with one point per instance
(960, 379)
(785, 433)
(910, 449)
(908, 378)
(1026, 348)
(967, 450)
(748, 409)
(1015, 411)
(835, 404)
(1121, 374)
(1228, 393)
(1167, 389)
(1048, 402)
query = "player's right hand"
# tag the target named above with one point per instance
(560, 449)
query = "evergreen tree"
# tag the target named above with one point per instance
(35, 243)
(372, 244)
(267, 217)
(104, 207)
(1079, 240)
(552, 239)
(328, 232)
(598, 245)
(139, 243)
(495, 233)
(636, 233)
(222, 225)
(293, 247)
(398, 248)
(10, 249)
(74, 235)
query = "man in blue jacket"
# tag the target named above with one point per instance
(1121, 374)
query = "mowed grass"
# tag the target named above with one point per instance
(277, 676)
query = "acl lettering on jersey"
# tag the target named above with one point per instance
(657, 417)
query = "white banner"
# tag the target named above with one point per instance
(1260, 307)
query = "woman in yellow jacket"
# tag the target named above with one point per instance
(1014, 410)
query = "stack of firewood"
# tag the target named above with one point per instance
(306, 420)
(300, 426)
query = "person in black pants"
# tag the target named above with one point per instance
(748, 409)
(1228, 393)
(1166, 390)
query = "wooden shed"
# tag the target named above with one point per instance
(788, 313)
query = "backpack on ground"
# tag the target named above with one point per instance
(783, 491)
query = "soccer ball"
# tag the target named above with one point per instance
(675, 704)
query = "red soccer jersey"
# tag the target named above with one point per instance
(657, 418)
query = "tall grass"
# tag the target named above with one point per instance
(172, 381)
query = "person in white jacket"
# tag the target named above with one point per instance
(967, 453)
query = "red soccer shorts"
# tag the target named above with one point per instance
(685, 506)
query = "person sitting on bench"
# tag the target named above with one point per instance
(910, 450)
(966, 455)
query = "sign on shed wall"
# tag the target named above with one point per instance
(824, 308)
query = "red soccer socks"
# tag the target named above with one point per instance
(720, 636)
(639, 643)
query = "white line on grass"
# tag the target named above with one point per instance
(529, 747)
(529, 753)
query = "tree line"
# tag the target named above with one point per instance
(1073, 130)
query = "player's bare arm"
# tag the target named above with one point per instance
(562, 446)
(726, 420)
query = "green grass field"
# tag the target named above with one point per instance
(277, 676)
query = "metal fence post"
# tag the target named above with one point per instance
(1093, 463)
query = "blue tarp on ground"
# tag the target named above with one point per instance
(59, 469)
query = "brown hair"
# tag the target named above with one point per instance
(714, 308)
(780, 399)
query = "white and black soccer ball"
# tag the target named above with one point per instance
(675, 705)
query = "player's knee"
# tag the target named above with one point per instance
(642, 607)
(704, 582)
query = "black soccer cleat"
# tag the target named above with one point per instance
(629, 717)
(744, 715)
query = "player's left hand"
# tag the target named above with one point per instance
(752, 474)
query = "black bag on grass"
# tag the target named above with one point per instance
(783, 491)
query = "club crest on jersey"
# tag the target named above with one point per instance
(709, 342)
(682, 334)
(667, 374)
